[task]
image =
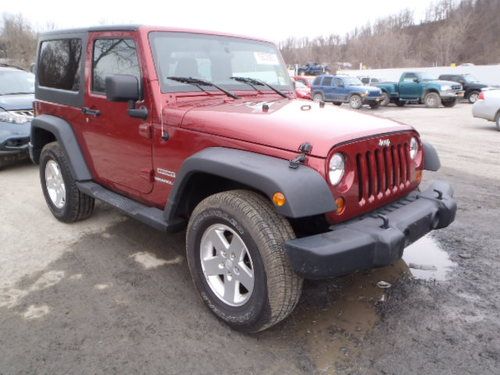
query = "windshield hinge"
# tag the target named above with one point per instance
(304, 149)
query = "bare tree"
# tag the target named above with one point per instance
(18, 41)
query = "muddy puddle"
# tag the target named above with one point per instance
(335, 317)
(427, 260)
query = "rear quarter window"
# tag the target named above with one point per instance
(59, 64)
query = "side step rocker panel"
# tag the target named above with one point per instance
(148, 215)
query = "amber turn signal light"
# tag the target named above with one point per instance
(340, 205)
(419, 176)
(279, 199)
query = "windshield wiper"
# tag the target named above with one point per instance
(200, 82)
(258, 82)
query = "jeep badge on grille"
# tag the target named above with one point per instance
(384, 142)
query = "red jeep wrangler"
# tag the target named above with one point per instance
(181, 128)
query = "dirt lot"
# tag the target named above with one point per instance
(110, 295)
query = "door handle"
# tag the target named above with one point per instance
(91, 112)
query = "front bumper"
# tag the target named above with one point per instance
(371, 99)
(375, 240)
(451, 94)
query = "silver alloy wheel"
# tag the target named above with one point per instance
(432, 100)
(317, 98)
(227, 265)
(54, 183)
(473, 97)
(355, 102)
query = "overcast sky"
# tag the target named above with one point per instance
(272, 20)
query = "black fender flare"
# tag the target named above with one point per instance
(431, 158)
(63, 133)
(307, 192)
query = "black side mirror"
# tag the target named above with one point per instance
(126, 88)
(122, 88)
(416, 80)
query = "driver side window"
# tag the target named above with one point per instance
(113, 56)
(410, 77)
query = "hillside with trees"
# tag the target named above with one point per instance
(457, 32)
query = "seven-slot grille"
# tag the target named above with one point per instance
(383, 171)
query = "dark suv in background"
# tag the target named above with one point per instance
(471, 85)
(16, 111)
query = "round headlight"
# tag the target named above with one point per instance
(336, 168)
(413, 148)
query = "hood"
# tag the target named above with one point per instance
(16, 102)
(370, 89)
(287, 124)
(442, 82)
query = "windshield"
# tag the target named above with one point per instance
(216, 59)
(16, 82)
(470, 78)
(427, 77)
(351, 81)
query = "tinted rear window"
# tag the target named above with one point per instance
(327, 81)
(59, 64)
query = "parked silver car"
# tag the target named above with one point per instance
(488, 106)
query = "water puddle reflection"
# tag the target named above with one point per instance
(427, 260)
(336, 316)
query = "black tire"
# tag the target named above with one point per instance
(432, 100)
(337, 103)
(497, 121)
(276, 288)
(355, 101)
(374, 105)
(77, 206)
(473, 96)
(386, 99)
(318, 97)
(400, 103)
(449, 103)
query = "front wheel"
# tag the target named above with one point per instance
(449, 103)
(355, 101)
(59, 188)
(235, 254)
(497, 121)
(432, 100)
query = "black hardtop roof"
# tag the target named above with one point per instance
(92, 29)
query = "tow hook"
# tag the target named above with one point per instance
(439, 193)
(385, 225)
(304, 149)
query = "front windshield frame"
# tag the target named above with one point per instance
(169, 86)
(469, 78)
(21, 82)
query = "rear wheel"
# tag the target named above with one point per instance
(432, 100)
(234, 245)
(497, 121)
(400, 103)
(355, 101)
(449, 103)
(318, 97)
(473, 96)
(386, 99)
(59, 188)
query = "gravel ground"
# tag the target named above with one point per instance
(110, 295)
